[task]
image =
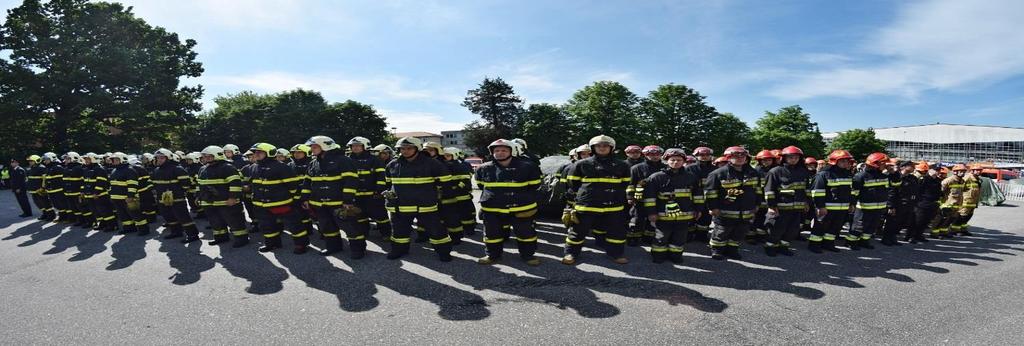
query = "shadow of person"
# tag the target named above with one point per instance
(26, 229)
(93, 244)
(187, 259)
(354, 294)
(127, 250)
(246, 263)
(49, 231)
(74, 236)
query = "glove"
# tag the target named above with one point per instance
(389, 194)
(167, 198)
(569, 217)
(462, 184)
(132, 204)
(526, 214)
(347, 211)
(638, 195)
(672, 210)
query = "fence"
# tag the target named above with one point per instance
(1013, 192)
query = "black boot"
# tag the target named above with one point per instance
(853, 244)
(771, 250)
(814, 246)
(143, 229)
(718, 253)
(174, 231)
(358, 249)
(784, 250)
(658, 256)
(240, 241)
(633, 241)
(829, 245)
(270, 244)
(866, 244)
(733, 252)
(398, 250)
(332, 245)
(444, 252)
(191, 234)
(219, 239)
(675, 257)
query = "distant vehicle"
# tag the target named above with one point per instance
(999, 174)
(475, 162)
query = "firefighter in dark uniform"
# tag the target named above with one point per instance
(673, 212)
(872, 192)
(902, 199)
(597, 185)
(385, 155)
(171, 182)
(449, 210)
(634, 155)
(193, 164)
(641, 230)
(96, 190)
(124, 194)
(220, 195)
(247, 171)
(299, 164)
(330, 192)
(416, 180)
(370, 184)
(54, 184)
(732, 194)
(812, 170)
(785, 192)
(766, 160)
(833, 198)
(704, 166)
(525, 152)
(508, 198)
(463, 177)
(927, 205)
(73, 189)
(231, 152)
(147, 201)
(275, 189)
(36, 175)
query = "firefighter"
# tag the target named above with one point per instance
(96, 190)
(220, 195)
(299, 164)
(701, 169)
(18, 182)
(124, 194)
(634, 155)
(720, 162)
(54, 185)
(147, 201)
(597, 185)
(927, 205)
(732, 195)
(231, 153)
(641, 230)
(384, 153)
(785, 192)
(953, 198)
(812, 169)
(193, 164)
(275, 189)
(36, 175)
(576, 154)
(508, 199)
(902, 200)
(170, 183)
(449, 211)
(672, 190)
(247, 171)
(972, 194)
(330, 192)
(871, 190)
(526, 151)
(766, 160)
(73, 189)
(832, 193)
(416, 180)
(464, 177)
(369, 184)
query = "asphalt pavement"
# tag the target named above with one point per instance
(60, 285)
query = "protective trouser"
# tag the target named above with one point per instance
(73, 207)
(670, 238)
(177, 219)
(193, 205)
(451, 218)
(940, 224)
(728, 232)
(826, 228)
(44, 206)
(22, 198)
(923, 216)
(785, 227)
(866, 223)
(272, 221)
(252, 211)
(373, 208)
(760, 225)
(59, 203)
(131, 220)
(701, 227)
(901, 218)
(640, 227)
(402, 225)
(147, 202)
(613, 224)
(225, 220)
(331, 225)
(498, 227)
(469, 215)
(103, 211)
(965, 215)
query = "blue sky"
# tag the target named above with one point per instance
(848, 63)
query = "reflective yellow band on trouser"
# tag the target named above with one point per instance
(572, 242)
(872, 206)
(412, 209)
(510, 210)
(598, 209)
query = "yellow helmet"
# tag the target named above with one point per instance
(266, 148)
(34, 158)
(300, 147)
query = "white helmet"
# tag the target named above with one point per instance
(517, 149)
(381, 147)
(282, 152)
(602, 139)
(521, 142)
(146, 157)
(120, 156)
(162, 152)
(409, 141)
(583, 148)
(194, 156)
(74, 157)
(179, 153)
(325, 143)
(359, 140)
(437, 146)
(216, 152)
(456, 153)
(92, 157)
(50, 156)
(232, 147)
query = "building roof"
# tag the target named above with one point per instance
(416, 134)
(946, 133)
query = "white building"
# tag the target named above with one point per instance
(952, 143)
(453, 139)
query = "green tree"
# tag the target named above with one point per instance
(728, 131)
(860, 143)
(497, 105)
(544, 127)
(789, 126)
(478, 136)
(677, 116)
(605, 108)
(80, 69)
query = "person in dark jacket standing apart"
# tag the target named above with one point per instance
(416, 180)
(275, 188)
(19, 185)
(673, 212)
(508, 197)
(597, 186)
(330, 192)
(785, 191)
(732, 194)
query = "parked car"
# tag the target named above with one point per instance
(474, 162)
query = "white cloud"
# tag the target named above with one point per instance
(333, 87)
(407, 121)
(932, 45)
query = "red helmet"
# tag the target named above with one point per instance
(976, 167)
(720, 159)
(777, 153)
(792, 150)
(877, 160)
(765, 154)
(669, 153)
(702, 151)
(652, 149)
(838, 154)
(633, 148)
(810, 161)
(691, 159)
(922, 167)
(735, 150)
